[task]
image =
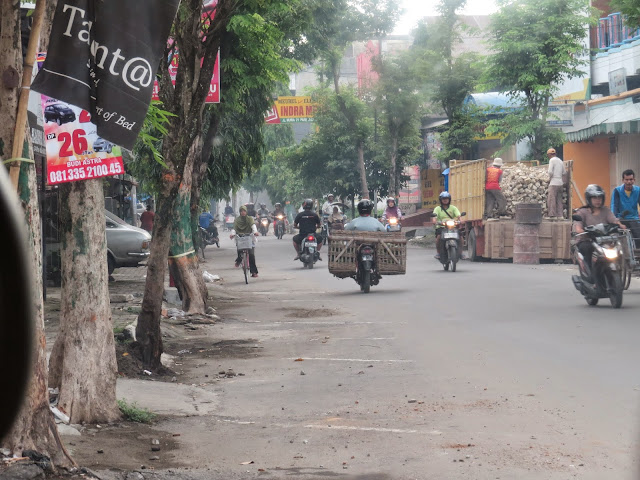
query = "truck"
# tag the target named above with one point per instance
(492, 238)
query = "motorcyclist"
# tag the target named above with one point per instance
(392, 210)
(443, 212)
(624, 204)
(327, 207)
(336, 219)
(278, 210)
(228, 210)
(207, 221)
(365, 222)
(593, 213)
(263, 211)
(308, 222)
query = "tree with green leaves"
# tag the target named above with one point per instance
(536, 44)
(630, 9)
(398, 103)
(337, 25)
(450, 76)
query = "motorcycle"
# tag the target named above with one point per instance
(450, 243)
(263, 226)
(366, 267)
(278, 228)
(207, 238)
(228, 221)
(392, 224)
(603, 277)
(325, 228)
(309, 254)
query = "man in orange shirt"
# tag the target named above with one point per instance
(493, 193)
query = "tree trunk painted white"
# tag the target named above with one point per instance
(83, 362)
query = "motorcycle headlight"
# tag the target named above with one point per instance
(280, 217)
(610, 253)
(450, 223)
(393, 221)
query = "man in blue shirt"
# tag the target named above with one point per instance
(365, 223)
(206, 221)
(626, 198)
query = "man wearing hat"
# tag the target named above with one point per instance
(554, 193)
(493, 195)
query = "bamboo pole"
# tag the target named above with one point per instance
(23, 102)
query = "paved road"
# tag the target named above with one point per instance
(495, 371)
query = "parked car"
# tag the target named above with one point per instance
(59, 113)
(102, 145)
(127, 245)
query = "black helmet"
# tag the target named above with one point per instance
(444, 195)
(365, 206)
(594, 191)
(307, 204)
(263, 205)
(391, 199)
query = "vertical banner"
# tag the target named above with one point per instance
(103, 57)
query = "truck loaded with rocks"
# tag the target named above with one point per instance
(524, 184)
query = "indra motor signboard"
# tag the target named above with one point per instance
(290, 110)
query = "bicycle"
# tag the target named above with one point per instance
(244, 244)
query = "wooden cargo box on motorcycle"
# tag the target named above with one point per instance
(366, 256)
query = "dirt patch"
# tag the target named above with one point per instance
(246, 348)
(308, 313)
(458, 446)
(126, 446)
(129, 358)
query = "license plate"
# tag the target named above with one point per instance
(450, 235)
(367, 257)
(311, 244)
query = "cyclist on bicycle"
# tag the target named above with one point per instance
(244, 225)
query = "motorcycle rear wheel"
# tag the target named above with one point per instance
(366, 281)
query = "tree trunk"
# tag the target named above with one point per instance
(34, 428)
(183, 261)
(364, 187)
(83, 363)
(393, 190)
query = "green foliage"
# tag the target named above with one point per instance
(537, 44)
(630, 9)
(459, 137)
(133, 413)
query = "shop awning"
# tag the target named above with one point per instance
(613, 128)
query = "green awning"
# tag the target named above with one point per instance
(616, 128)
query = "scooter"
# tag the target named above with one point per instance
(392, 224)
(309, 254)
(278, 227)
(208, 238)
(602, 277)
(263, 226)
(450, 251)
(366, 267)
(228, 221)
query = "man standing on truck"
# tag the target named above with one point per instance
(625, 199)
(493, 195)
(556, 185)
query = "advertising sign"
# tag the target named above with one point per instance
(411, 192)
(291, 109)
(617, 81)
(560, 115)
(103, 57)
(214, 87)
(74, 149)
(432, 183)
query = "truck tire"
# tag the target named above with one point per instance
(472, 246)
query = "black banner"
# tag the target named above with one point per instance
(103, 56)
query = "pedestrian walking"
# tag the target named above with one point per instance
(556, 185)
(146, 219)
(493, 196)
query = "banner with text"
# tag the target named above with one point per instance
(103, 57)
(291, 109)
(74, 149)
(432, 183)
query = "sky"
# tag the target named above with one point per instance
(417, 9)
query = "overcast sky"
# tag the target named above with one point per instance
(414, 10)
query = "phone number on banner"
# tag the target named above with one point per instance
(65, 173)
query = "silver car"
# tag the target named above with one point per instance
(127, 245)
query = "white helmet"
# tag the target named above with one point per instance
(497, 162)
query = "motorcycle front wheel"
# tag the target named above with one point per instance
(614, 288)
(453, 257)
(591, 301)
